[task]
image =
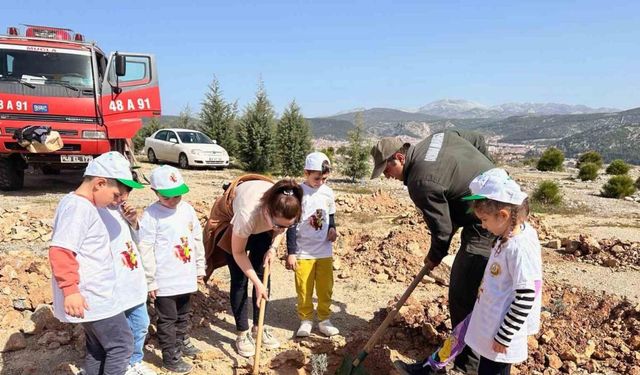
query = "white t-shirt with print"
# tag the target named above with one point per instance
(131, 285)
(175, 235)
(518, 265)
(311, 236)
(247, 216)
(78, 227)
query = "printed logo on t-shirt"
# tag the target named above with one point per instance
(183, 252)
(316, 219)
(129, 258)
(495, 269)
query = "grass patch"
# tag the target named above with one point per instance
(560, 209)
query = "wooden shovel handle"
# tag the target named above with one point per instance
(263, 303)
(392, 314)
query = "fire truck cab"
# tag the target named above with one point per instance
(52, 77)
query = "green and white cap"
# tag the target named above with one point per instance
(112, 165)
(168, 182)
(497, 185)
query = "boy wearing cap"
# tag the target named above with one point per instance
(121, 220)
(309, 245)
(82, 265)
(173, 257)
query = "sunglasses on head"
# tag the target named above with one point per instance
(278, 226)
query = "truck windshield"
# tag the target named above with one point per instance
(68, 71)
(194, 137)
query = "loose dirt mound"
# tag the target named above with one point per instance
(593, 333)
(613, 253)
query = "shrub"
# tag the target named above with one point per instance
(588, 172)
(551, 160)
(590, 157)
(618, 167)
(618, 187)
(547, 193)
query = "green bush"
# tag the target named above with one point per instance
(588, 172)
(590, 157)
(618, 167)
(547, 193)
(618, 187)
(551, 160)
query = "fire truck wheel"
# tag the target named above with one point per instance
(183, 162)
(11, 175)
(151, 156)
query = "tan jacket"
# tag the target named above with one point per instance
(217, 239)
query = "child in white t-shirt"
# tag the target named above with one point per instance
(84, 279)
(121, 221)
(508, 305)
(309, 245)
(173, 258)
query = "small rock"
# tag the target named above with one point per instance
(8, 272)
(554, 244)
(554, 361)
(337, 264)
(21, 304)
(617, 249)
(11, 340)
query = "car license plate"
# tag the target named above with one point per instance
(213, 159)
(75, 158)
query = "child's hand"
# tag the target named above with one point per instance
(292, 262)
(75, 304)
(130, 214)
(152, 294)
(499, 348)
(332, 235)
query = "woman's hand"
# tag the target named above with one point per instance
(268, 257)
(292, 262)
(261, 292)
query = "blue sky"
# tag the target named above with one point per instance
(335, 55)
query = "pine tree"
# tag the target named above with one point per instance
(185, 118)
(151, 127)
(218, 118)
(357, 153)
(293, 141)
(256, 134)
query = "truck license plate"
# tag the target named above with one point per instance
(75, 158)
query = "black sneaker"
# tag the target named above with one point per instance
(413, 369)
(188, 349)
(178, 366)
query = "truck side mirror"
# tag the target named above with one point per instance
(121, 65)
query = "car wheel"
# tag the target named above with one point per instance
(183, 162)
(151, 156)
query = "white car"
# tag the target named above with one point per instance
(186, 147)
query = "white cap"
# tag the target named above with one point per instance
(495, 184)
(168, 182)
(314, 161)
(112, 165)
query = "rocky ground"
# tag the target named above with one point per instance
(591, 318)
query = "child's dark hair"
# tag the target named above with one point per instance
(519, 213)
(283, 199)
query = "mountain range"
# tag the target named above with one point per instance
(458, 108)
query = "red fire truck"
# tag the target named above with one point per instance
(53, 78)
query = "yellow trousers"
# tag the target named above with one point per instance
(318, 272)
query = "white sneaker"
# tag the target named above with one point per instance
(269, 341)
(327, 328)
(305, 328)
(142, 369)
(245, 344)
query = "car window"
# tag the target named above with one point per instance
(171, 136)
(194, 137)
(162, 135)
